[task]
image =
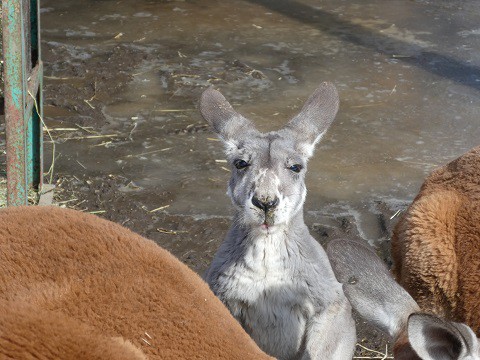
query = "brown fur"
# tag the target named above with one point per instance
(71, 284)
(402, 350)
(436, 244)
(30, 332)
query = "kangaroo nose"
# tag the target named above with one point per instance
(264, 205)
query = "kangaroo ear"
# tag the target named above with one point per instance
(315, 117)
(434, 338)
(224, 121)
(369, 287)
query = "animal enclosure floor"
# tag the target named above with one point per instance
(123, 79)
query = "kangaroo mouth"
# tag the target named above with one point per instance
(268, 221)
(265, 226)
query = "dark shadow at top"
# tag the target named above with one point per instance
(413, 54)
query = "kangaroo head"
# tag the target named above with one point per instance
(267, 186)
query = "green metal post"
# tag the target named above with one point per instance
(14, 65)
(23, 84)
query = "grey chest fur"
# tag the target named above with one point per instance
(268, 294)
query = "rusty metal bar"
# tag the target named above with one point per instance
(14, 65)
(23, 129)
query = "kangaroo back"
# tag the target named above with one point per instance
(29, 332)
(436, 243)
(100, 274)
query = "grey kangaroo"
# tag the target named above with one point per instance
(376, 296)
(269, 271)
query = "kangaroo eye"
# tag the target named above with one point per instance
(296, 168)
(241, 164)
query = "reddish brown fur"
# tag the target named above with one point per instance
(402, 349)
(30, 332)
(436, 244)
(100, 281)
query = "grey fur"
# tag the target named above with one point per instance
(434, 338)
(368, 283)
(269, 271)
(376, 296)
